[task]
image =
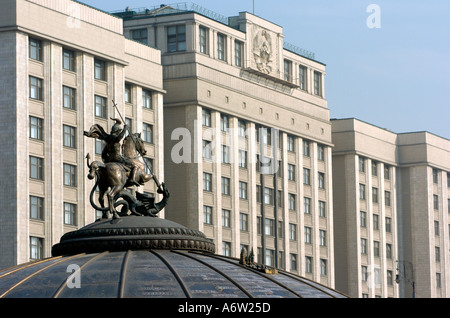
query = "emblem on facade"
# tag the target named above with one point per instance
(122, 166)
(262, 51)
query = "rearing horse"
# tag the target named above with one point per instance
(112, 177)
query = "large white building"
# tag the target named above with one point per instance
(61, 65)
(225, 78)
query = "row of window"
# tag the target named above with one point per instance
(375, 195)
(37, 211)
(375, 222)
(376, 248)
(374, 168)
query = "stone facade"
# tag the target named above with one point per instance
(43, 133)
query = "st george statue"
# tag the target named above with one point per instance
(122, 168)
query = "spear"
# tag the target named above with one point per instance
(145, 162)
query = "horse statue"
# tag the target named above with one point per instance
(113, 179)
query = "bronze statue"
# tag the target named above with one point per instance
(121, 168)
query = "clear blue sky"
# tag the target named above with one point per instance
(395, 77)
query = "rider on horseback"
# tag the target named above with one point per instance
(112, 150)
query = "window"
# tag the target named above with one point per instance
(438, 280)
(376, 248)
(176, 38)
(362, 166)
(242, 127)
(306, 176)
(323, 267)
(242, 159)
(147, 133)
(280, 198)
(268, 196)
(207, 181)
(270, 257)
(225, 186)
(207, 214)
(306, 151)
(322, 209)
(362, 219)
(69, 136)
(70, 214)
(224, 123)
(269, 226)
(387, 174)
(148, 165)
(99, 70)
(435, 202)
(292, 232)
(307, 205)
(36, 130)
(320, 152)
(258, 193)
(389, 278)
(69, 60)
(374, 168)
(317, 83)
(226, 218)
(225, 154)
(243, 221)
(290, 143)
(35, 86)
(207, 151)
(99, 146)
(35, 49)
(321, 176)
(435, 176)
(291, 172)
(308, 235)
(100, 107)
(436, 228)
(226, 248)
(146, 99)
(238, 53)
(69, 98)
(376, 222)
(302, 77)
(364, 275)
(322, 238)
(203, 39)
(206, 118)
(221, 47)
(437, 254)
(362, 191)
(127, 95)
(387, 198)
(242, 190)
(388, 225)
(288, 70)
(363, 246)
(70, 175)
(291, 201)
(308, 264)
(374, 195)
(140, 35)
(36, 168)
(36, 208)
(293, 259)
(388, 251)
(36, 248)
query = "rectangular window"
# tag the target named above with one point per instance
(242, 128)
(320, 152)
(302, 78)
(288, 70)
(35, 49)
(308, 235)
(374, 195)
(322, 238)
(362, 191)
(207, 150)
(36, 88)
(36, 130)
(364, 274)
(306, 176)
(207, 181)
(69, 98)
(307, 205)
(308, 264)
(293, 259)
(376, 248)
(226, 218)
(224, 123)
(70, 175)
(36, 168)
(388, 251)
(225, 154)
(146, 99)
(387, 198)
(226, 186)
(292, 232)
(323, 267)
(387, 174)
(140, 35)
(290, 143)
(207, 214)
(306, 147)
(363, 219)
(291, 201)
(242, 190)
(100, 107)
(238, 53)
(362, 166)
(127, 95)
(69, 60)
(437, 253)
(221, 47)
(363, 246)
(99, 70)
(269, 227)
(36, 248)
(242, 159)
(291, 172)
(99, 146)
(243, 221)
(226, 248)
(376, 222)
(147, 133)
(268, 196)
(70, 214)
(321, 176)
(317, 83)
(206, 118)
(435, 202)
(388, 225)
(36, 208)
(176, 38)
(374, 168)
(69, 136)
(203, 39)
(322, 209)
